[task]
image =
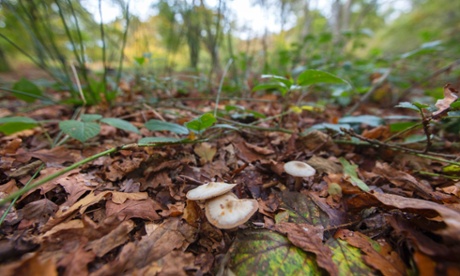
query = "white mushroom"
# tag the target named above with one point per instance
(210, 190)
(227, 211)
(298, 170)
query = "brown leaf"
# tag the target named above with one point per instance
(175, 263)
(384, 258)
(443, 105)
(310, 239)
(145, 209)
(76, 262)
(450, 217)
(30, 266)
(39, 210)
(206, 152)
(115, 238)
(171, 234)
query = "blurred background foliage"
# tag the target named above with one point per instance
(355, 39)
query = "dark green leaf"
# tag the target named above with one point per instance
(10, 125)
(201, 123)
(401, 126)
(26, 90)
(121, 124)
(309, 77)
(81, 131)
(157, 125)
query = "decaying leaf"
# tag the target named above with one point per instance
(378, 255)
(450, 96)
(310, 239)
(262, 252)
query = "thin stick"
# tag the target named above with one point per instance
(369, 93)
(77, 80)
(221, 84)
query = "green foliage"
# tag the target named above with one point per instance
(350, 171)
(10, 125)
(26, 90)
(82, 131)
(306, 78)
(157, 125)
(88, 126)
(249, 255)
(201, 123)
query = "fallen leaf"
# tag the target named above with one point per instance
(348, 258)
(443, 105)
(145, 209)
(39, 210)
(450, 217)
(310, 239)
(379, 255)
(30, 266)
(263, 252)
(116, 237)
(205, 151)
(171, 234)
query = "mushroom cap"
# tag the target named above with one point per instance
(299, 169)
(227, 211)
(210, 190)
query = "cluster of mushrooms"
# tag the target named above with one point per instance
(225, 210)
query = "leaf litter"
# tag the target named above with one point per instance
(367, 210)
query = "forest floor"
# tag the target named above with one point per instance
(376, 205)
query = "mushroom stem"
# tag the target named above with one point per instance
(297, 183)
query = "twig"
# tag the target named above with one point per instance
(428, 155)
(435, 74)
(369, 93)
(219, 91)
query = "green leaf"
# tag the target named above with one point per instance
(401, 126)
(26, 90)
(309, 77)
(201, 123)
(157, 125)
(263, 252)
(369, 120)
(120, 124)
(349, 170)
(270, 86)
(160, 140)
(414, 106)
(287, 82)
(10, 125)
(348, 258)
(90, 117)
(81, 131)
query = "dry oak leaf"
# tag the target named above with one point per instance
(172, 234)
(450, 96)
(144, 209)
(116, 237)
(205, 151)
(450, 217)
(31, 265)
